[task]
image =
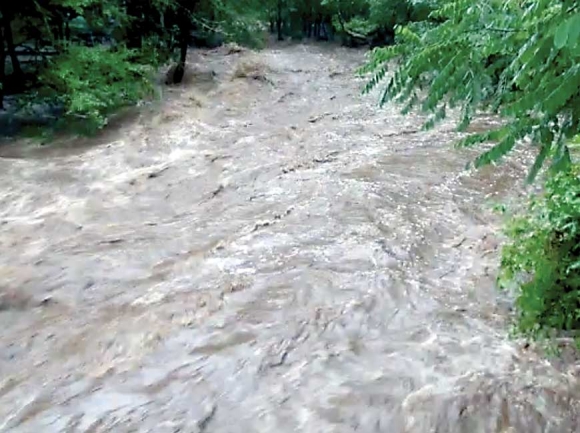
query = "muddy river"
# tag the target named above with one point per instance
(265, 251)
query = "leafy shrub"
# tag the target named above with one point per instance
(389, 13)
(360, 26)
(90, 83)
(516, 59)
(237, 21)
(542, 258)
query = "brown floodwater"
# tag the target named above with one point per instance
(264, 251)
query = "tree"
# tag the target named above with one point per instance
(72, 37)
(519, 59)
(99, 55)
(357, 21)
(6, 18)
(516, 58)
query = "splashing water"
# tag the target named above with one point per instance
(268, 253)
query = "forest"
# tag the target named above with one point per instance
(517, 59)
(87, 58)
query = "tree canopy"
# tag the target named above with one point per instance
(87, 58)
(515, 58)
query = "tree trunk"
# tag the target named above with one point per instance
(184, 45)
(58, 28)
(134, 40)
(67, 29)
(341, 21)
(57, 23)
(2, 69)
(279, 21)
(184, 31)
(317, 23)
(328, 28)
(16, 69)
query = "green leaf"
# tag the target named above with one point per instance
(496, 152)
(574, 29)
(562, 160)
(561, 35)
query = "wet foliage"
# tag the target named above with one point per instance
(517, 59)
(542, 259)
(78, 54)
(71, 78)
(90, 58)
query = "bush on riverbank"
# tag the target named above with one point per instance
(91, 55)
(542, 258)
(91, 83)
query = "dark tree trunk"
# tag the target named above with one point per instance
(11, 49)
(67, 29)
(58, 27)
(328, 28)
(279, 21)
(279, 29)
(317, 24)
(134, 40)
(57, 22)
(183, 45)
(184, 31)
(2, 68)
(183, 19)
(306, 24)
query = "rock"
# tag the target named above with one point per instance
(48, 300)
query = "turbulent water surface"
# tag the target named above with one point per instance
(267, 252)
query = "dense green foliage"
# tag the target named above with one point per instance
(90, 57)
(71, 79)
(518, 59)
(543, 258)
(354, 21)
